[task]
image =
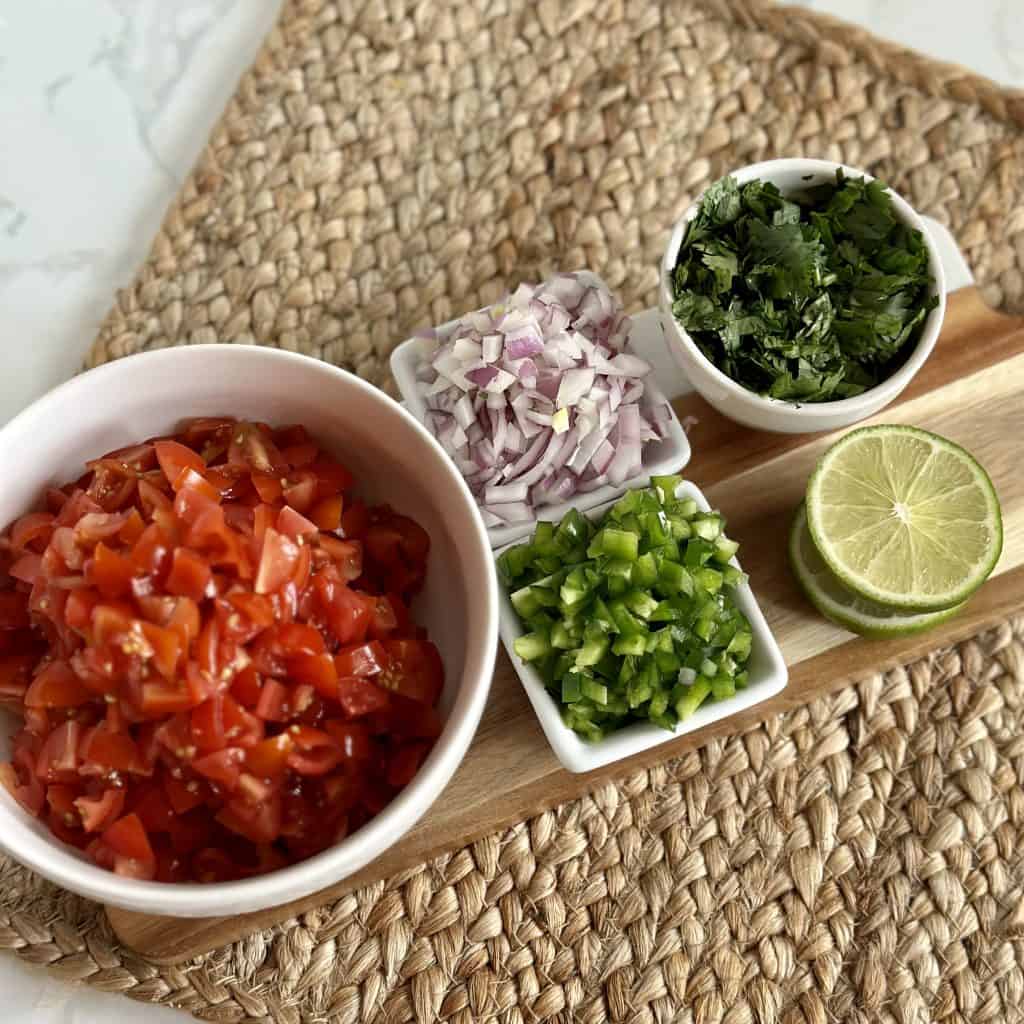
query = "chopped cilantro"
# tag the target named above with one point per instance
(808, 298)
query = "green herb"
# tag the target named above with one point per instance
(810, 298)
(632, 617)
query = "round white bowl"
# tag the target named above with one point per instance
(774, 414)
(394, 459)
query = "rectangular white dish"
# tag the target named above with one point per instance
(767, 668)
(668, 455)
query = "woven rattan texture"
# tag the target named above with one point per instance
(388, 164)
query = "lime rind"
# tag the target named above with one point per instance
(839, 604)
(879, 507)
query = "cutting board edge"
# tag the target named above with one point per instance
(148, 934)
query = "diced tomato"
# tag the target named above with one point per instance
(348, 612)
(254, 816)
(96, 526)
(79, 607)
(369, 659)
(98, 813)
(246, 687)
(347, 556)
(302, 453)
(15, 674)
(134, 527)
(274, 704)
(299, 489)
(384, 621)
(331, 477)
(245, 615)
(278, 560)
(189, 576)
(32, 531)
(326, 513)
(184, 620)
(19, 778)
(109, 572)
(241, 728)
(314, 752)
(157, 507)
(56, 686)
(222, 766)
(13, 610)
(353, 739)
(207, 724)
(405, 763)
(165, 698)
(183, 796)
(269, 758)
(154, 810)
(174, 458)
(61, 799)
(58, 758)
(318, 670)
(205, 651)
(294, 525)
(413, 669)
(151, 553)
(111, 751)
(26, 568)
(254, 449)
(128, 839)
(360, 696)
(268, 487)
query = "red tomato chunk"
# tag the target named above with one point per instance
(208, 638)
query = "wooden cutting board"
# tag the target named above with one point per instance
(971, 390)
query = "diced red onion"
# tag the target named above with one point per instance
(498, 495)
(538, 397)
(482, 377)
(511, 512)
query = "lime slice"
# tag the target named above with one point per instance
(904, 518)
(842, 605)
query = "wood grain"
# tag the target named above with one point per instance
(971, 390)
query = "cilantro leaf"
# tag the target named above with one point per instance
(807, 298)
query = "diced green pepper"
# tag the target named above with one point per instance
(630, 616)
(629, 645)
(665, 487)
(692, 699)
(624, 544)
(531, 646)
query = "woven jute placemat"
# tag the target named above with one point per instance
(386, 165)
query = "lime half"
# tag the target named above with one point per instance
(904, 518)
(842, 605)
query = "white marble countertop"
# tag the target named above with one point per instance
(105, 105)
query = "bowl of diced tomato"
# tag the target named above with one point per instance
(248, 619)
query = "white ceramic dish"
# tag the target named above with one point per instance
(668, 455)
(393, 457)
(752, 410)
(768, 675)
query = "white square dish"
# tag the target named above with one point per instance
(767, 668)
(668, 455)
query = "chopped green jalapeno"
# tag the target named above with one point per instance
(631, 617)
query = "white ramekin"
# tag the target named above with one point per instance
(394, 459)
(785, 417)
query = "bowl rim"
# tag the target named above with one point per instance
(61, 865)
(862, 403)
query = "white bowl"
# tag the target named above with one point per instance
(767, 667)
(667, 455)
(393, 457)
(752, 410)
